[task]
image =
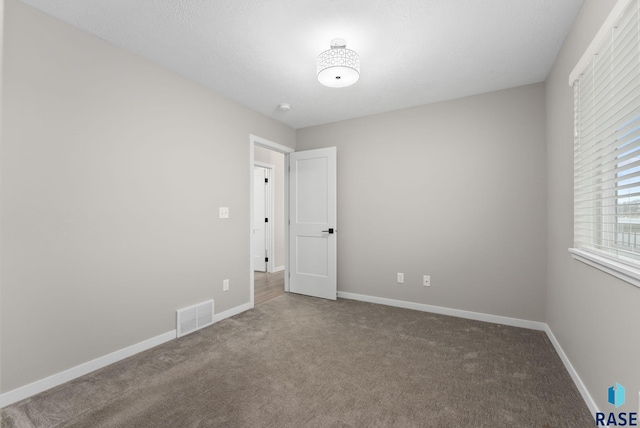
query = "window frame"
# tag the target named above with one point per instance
(614, 264)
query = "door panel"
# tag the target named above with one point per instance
(312, 237)
(319, 248)
(312, 192)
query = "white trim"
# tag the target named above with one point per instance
(2, 17)
(231, 312)
(264, 165)
(478, 316)
(251, 180)
(41, 385)
(591, 404)
(52, 381)
(278, 269)
(263, 142)
(617, 10)
(287, 223)
(620, 270)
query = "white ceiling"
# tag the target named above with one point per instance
(263, 52)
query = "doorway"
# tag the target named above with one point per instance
(310, 189)
(268, 225)
(268, 233)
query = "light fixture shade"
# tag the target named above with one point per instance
(338, 67)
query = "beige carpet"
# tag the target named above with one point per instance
(296, 361)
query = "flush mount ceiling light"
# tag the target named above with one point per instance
(338, 67)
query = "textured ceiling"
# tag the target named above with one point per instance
(263, 52)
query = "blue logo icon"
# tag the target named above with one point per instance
(616, 395)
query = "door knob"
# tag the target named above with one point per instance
(328, 231)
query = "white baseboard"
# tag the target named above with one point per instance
(41, 385)
(278, 269)
(478, 316)
(496, 319)
(231, 312)
(593, 407)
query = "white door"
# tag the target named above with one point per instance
(312, 234)
(259, 249)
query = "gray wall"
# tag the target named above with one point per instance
(455, 190)
(113, 170)
(277, 160)
(594, 316)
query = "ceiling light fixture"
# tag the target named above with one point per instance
(284, 107)
(338, 67)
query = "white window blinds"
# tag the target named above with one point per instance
(607, 139)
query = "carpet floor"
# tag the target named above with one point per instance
(297, 361)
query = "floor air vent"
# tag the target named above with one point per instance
(194, 317)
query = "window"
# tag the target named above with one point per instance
(606, 85)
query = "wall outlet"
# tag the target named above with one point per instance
(224, 212)
(426, 281)
(225, 285)
(400, 278)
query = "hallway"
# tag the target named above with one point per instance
(268, 286)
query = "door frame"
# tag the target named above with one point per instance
(262, 142)
(269, 211)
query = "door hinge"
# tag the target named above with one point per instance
(266, 180)
(266, 259)
(266, 220)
